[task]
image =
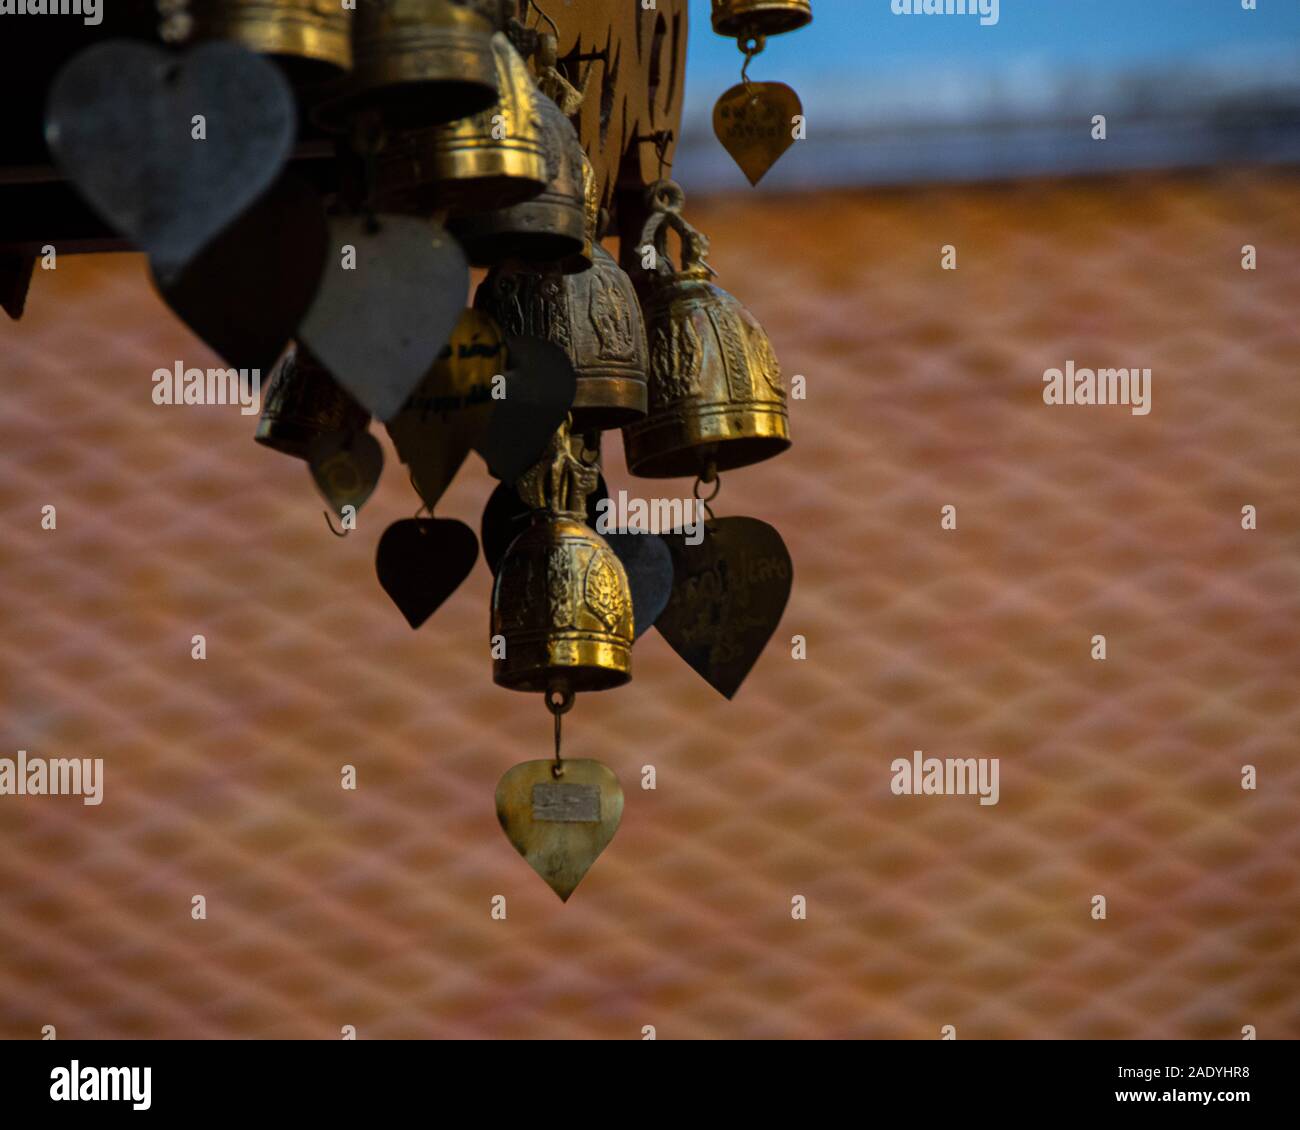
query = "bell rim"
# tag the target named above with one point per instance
(671, 444)
(766, 17)
(391, 70)
(609, 399)
(489, 242)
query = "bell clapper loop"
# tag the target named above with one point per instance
(559, 708)
(666, 200)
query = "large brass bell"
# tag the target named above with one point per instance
(416, 63)
(561, 608)
(716, 400)
(549, 227)
(303, 402)
(594, 316)
(751, 19)
(488, 160)
(310, 37)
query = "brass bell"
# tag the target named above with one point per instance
(416, 63)
(752, 19)
(302, 402)
(716, 400)
(549, 227)
(594, 317)
(471, 164)
(560, 602)
(310, 37)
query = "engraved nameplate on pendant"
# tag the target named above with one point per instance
(563, 803)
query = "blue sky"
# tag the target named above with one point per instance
(853, 36)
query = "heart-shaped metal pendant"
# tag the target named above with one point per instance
(755, 123)
(539, 392)
(560, 824)
(169, 149)
(648, 563)
(246, 291)
(346, 467)
(422, 561)
(448, 414)
(388, 301)
(728, 595)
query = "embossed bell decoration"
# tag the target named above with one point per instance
(561, 604)
(303, 402)
(488, 160)
(312, 38)
(416, 63)
(594, 316)
(716, 400)
(749, 19)
(549, 227)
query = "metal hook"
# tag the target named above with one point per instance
(558, 709)
(541, 12)
(661, 139)
(709, 475)
(340, 533)
(425, 508)
(750, 46)
(368, 139)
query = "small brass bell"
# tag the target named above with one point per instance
(475, 163)
(561, 602)
(549, 227)
(303, 402)
(715, 392)
(310, 37)
(416, 63)
(750, 19)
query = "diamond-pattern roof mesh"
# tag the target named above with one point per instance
(372, 907)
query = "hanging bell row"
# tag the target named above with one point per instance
(561, 603)
(416, 62)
